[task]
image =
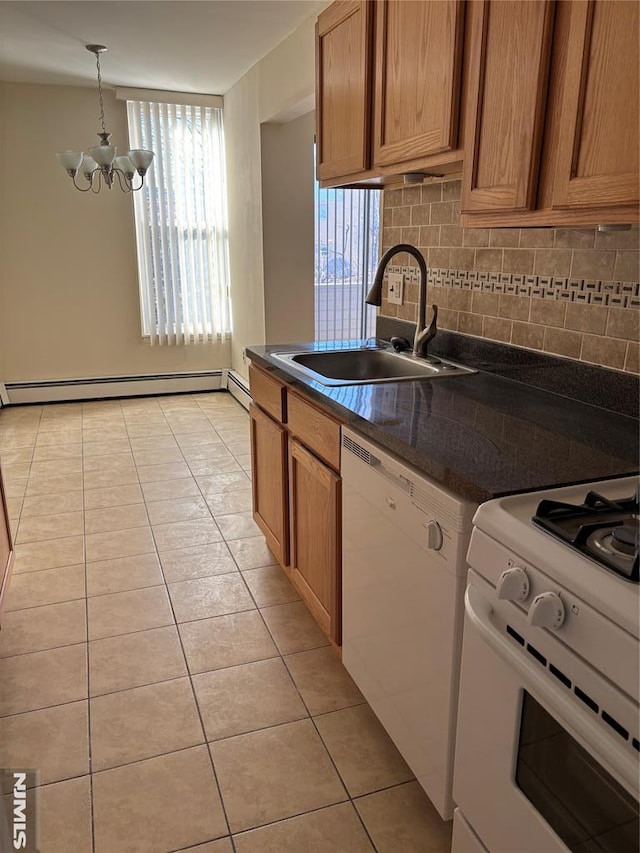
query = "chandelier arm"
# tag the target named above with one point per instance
(78, 187)
(96, 186)
(135, 189)
(125, 187)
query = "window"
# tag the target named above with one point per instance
(347, 224)
(181, 223)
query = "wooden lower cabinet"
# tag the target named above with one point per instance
(6, 545)
(315, 503)
(295, 464)
(269, 482)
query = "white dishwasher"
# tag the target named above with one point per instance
(404, 541)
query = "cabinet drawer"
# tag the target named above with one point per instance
(268, 393)
(317, 431)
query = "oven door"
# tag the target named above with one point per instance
(532, 774)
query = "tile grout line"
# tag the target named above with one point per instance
(193, 690)
(86, 580)
(184, 656)
(33, 451)
(91, 770)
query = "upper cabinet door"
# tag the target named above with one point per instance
(343, 91)
(418, 63)
(510, 56)
(599, 121)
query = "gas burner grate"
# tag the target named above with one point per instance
(589, 528)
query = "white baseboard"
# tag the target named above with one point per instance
(4, 399)
(238, 387)
(63, 390)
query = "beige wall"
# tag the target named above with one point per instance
(280, 86)
(242, 142)
(572, 292)
(287, 227)
(287, 73)
(68, 278)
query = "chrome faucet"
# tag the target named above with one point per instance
(424, 334)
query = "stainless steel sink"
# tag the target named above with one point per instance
(364, 366)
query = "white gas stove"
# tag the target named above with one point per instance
(509, 521)
(547, 744)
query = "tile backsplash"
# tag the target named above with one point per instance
(569, 292)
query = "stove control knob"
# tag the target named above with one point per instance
(546, 611)
(434, 536)
(513, 584)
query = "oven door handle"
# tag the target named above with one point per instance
(614, 756)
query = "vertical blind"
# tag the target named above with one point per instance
(181, 223)
(347, 224)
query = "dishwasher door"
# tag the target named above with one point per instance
(404, 541)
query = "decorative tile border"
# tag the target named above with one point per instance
(620, 294)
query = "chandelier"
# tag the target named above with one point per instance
(101, 167)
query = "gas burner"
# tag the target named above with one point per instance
(605, 530)
(625, 538)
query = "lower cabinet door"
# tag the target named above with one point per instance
(6, 545)
(316, 566)
(269, 482)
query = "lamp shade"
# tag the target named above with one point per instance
(89, 165)
(125, 165)
(104, 155)
(141, 159)
(70, 160)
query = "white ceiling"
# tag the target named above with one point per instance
(200, 46)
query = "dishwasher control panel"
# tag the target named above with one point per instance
(434, 518)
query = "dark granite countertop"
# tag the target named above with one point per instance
(481, 435)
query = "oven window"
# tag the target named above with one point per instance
(581, 802)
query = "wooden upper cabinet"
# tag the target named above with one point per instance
(343, 59)
(418, 65)
(599, 141)
(510, 57)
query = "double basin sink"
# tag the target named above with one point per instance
(364, 366)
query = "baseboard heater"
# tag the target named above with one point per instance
(238, 387)
(143, 385)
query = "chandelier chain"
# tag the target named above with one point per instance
(101, 167)
(102, 122)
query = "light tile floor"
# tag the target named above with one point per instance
(158, 667)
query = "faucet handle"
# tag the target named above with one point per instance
(433, 324)
(424, 337)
